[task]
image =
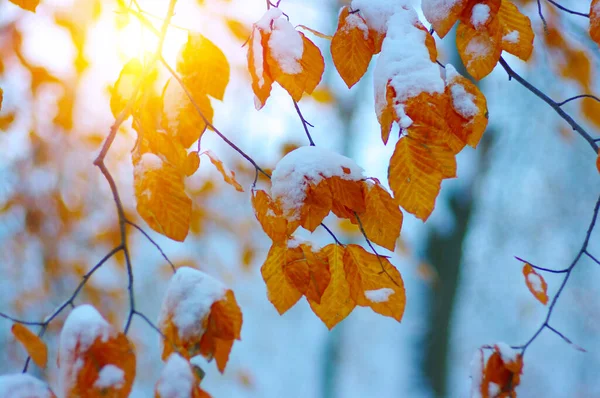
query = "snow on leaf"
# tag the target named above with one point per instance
(443, 14)
(351, 47)
(161, 198)
(595, 21)
(269, 216)
(382, 219)
(29, 5)
(203, 66)
(281, 292)
(517, 34)
(259, 71)
(228, 175)
(336, 302)
(181, 118)
(88, 344)
(479, 49)
(502, 373)
(110, 376)
(536, 284)
(34, 345)
(414, 177)
(177, 380)
(22, 385)
(369, 272)
(123, 89)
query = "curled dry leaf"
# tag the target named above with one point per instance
(228, 175)
(536, 284)
(35, 347)
(95, 360)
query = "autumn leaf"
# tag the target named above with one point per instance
(351, 47)
(517, 34)
(347, 193)
(177, 379)
(595, 21)
(502, 373)
(258, 68)
(479, 49)
(212, 320)
(203, 67)
(281, 292)
(414, 177)
(374, 282)
(382, 219)
(161, 198)
(192, 162)
(35, 347)
(126, 84)
(18, 384)
(95, 360)
(336, 302)
(181, 118)
(443, 21)
(536, 284)
(269, 216)
(29, 5)
(316, 205)
(228, 175)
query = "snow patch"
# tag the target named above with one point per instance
(188, 299)
(493, 389)
(379, 295)
(22, 385)
(176, 379)
(507, 353)
(354, 21)
(149, 161)
(512, 37)
(264, 23)
(257, 56)
(308, 165)
(286, 46)
(110, 376)
(480, 15)
(437, 10)
(536, 282)
(479, 47)
(462, 101)
(378, 12)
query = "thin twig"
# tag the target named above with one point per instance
(153, 242)
(305, 124)
(587, 253)
(541, 14)
(565, 9)
(552, 104)
(552, 271)
(577, 97)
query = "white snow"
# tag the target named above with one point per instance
(188, 299)
(286, 46)
(405, 63)
(462, 101)
(512, 37)
(480, 15)
(536, 282)
(175, 102)
(493, 390)
(308, 165)
(354, 21)
(176, 379)
(507, 353)
(83, 327)
(379, 295)
(149, 161)
(22, 385)
(264, 23)
(476, 374)
(257, 55)
(437, 10)
(110, 376)
(478, 47)
(377, 12)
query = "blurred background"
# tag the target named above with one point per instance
(528, 191)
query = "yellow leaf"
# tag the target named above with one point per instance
(319, 275)
(269, 216)
(336, 302)
(258, 68)
(29, 5)
(181, 118)
(351, 47)
(347, 193)
(536, 284)
(228, 175)
(517, 35)
(374, 282)
(238, 29)
(123, 89)
(316, 205)
(595, 21)
(382, 219)
(281, 292)
(203, 66)
(35, 347)
(161, 198)
(192, 163)
(479, 49)
(414, 177)
(442, 22)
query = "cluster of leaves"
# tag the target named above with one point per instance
(500, 375)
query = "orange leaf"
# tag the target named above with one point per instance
(336, 302)
(351, 47)
(382, 219)
(347, 193)
(442, 19)
(95, 360)
(281, 292)
(595, 21)
(269, 216)
(316, 206)
(29, 5)
(374, 282)
(536, 284)
(479, 49)
(319, 275)
(161, 198)
(517, 34)
(203, 66)
(128, 80)
(228, 175)
(180, 116)
(258, 68)
(16, 385)
(502, 373)
(414, 177)
(35, 347)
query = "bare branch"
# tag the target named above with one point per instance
(553, 271)
(565, 9)
(153, 242)
(305, 124)
(577, 97)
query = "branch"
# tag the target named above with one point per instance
(565, 9)
(305, 123)
(153, 242)
(551, 102)
(577, 97)
(553, 271)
